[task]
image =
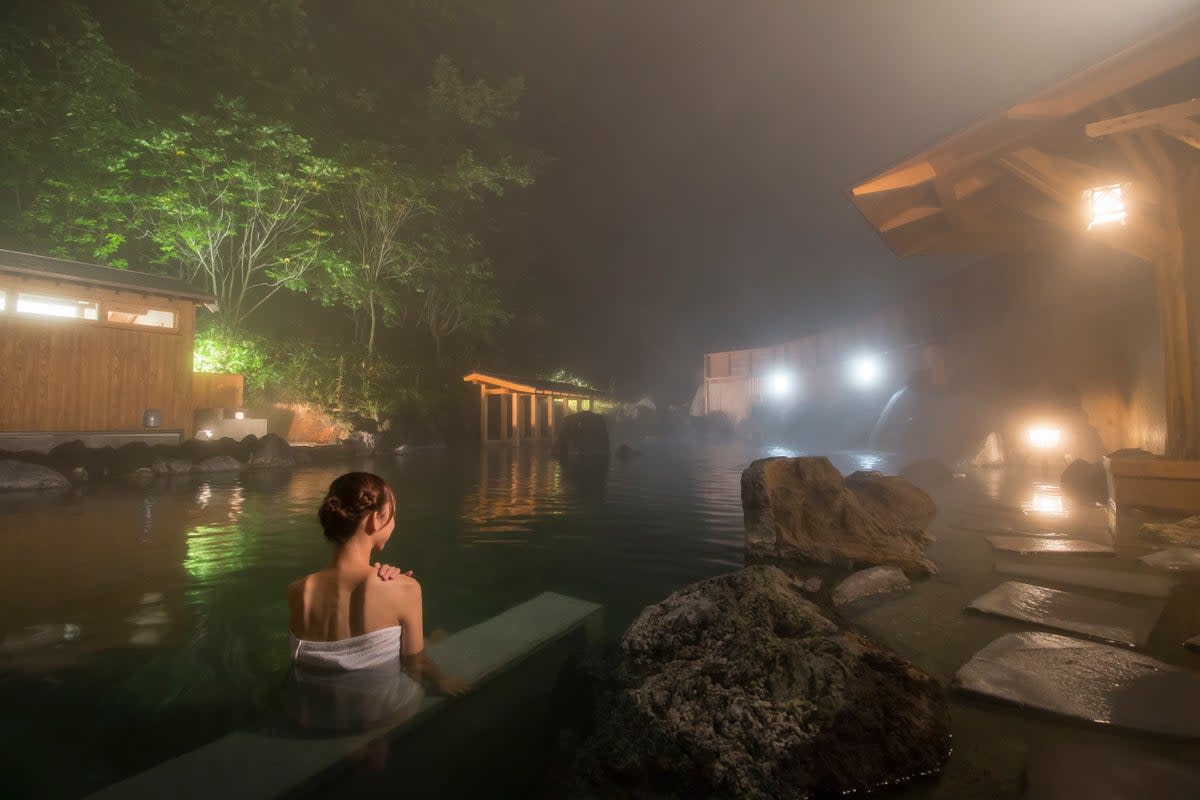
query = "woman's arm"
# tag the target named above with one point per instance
(411, 617)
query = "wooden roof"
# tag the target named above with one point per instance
(1015, 181)
(32, 265)
(529, 385)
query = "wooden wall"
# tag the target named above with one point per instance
(217, 390)
(81, 375)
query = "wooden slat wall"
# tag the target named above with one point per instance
(72, 375)
(218, 390)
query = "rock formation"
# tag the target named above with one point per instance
(738, 686)
(802, 509)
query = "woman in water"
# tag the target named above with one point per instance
(355, 614)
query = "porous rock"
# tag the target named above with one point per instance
(218, 464)
(19, 476)
(802, 509)
(738, 686)
(1185, 532)
(272, 451)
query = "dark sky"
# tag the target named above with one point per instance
(704, 150)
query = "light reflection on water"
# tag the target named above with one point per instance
(482, 532)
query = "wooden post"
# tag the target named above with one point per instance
(535, 428)
(1177, 298)
(550, 416)
(483, 413)
(516, 418)
(506, 416)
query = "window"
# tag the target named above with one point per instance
(146, 317)
(48, 306)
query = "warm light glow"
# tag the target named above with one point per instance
(1105, 205)
(1044, 437)
(866, 370)
(239, 415)
(204, 434)
(1047, 499)
(781, 384)
(56, 306)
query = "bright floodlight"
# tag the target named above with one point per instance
(866, 370)
(1105, 205)
(781, 383)
(1044, 437)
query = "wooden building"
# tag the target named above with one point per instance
(87, 351)
(512, 409)
(1107, 162)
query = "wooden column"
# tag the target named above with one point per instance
(506, 417)
(483, 413)
(516, 418)
(535, 429)
(550, 416)
(1178, 261)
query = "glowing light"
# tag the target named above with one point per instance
(204, 434)
(44, 306)
(1047, 499)
(1044, 437)
(1105, 205)
(781, 384)
(239, 415)
(866, 370)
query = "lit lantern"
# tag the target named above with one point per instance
(1106, 205)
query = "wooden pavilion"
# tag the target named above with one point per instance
(1112, 154)
(523, 408)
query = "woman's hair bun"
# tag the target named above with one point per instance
(350, 498)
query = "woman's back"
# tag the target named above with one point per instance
(332, 605)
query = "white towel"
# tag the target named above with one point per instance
(358, 652)
(351, 685)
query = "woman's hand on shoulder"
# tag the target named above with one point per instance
(387, 572)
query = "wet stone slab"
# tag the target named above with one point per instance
(1086, 680)
(867, 582)
(1038, 545)
(1066, 771)
(1067, 611)
(1109, 579)
(1175, 559)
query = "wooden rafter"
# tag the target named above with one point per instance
(1148, 118)
(1184, 130)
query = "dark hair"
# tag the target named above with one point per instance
(351, 498)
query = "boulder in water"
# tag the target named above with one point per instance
(738, 686)
(581, 434)
(802, 509)
(1185, 532)
(272, 451)
(1086, 480)
(218, 464)
(21, 476)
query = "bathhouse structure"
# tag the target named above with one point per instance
(1089, 193)
(512, 409)
(93, 353)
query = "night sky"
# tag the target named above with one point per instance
(698, 199)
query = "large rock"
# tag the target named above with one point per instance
(581, 434)
(737, 686)
(272, 451)
(802, 509)
(218, 464)
(1085, 480)
(1185, 532)
(22, 476)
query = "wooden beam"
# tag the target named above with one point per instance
(899, 178)
(483, 413)
(910, 215)
(1143, 119)
(1184, 130)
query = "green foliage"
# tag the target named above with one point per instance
(566, 376)
(227, 201)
